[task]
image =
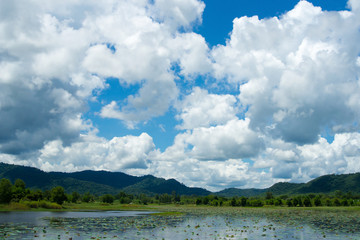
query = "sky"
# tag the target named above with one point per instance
(215, 94)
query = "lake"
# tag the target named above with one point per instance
(207, 223)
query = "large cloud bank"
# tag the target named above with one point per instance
(297, 78)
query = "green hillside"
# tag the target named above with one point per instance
(151, 185)
(103, 182)
(96, 182)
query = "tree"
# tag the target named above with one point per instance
(144, 199)
(269, 195)
(35, 195)
(165, 198)
(336, 202)
(344, 202)
(75, 196)
(317, 201)
(328, 202)
(206, 200)
(107, 198)
(307, 202)
(87, 197)
(243, 201)
(175, 197)
(289, 202)
(5, 191)
(19, 190)
(20, 184)
(300, 201)
(121, 195)
(338, 194)
(47, 195)
(278, 202)
(58, 195)
(233, 202)
(295, 202)
(256, 203)
(125, 200)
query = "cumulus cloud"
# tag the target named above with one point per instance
(298, 72)
(178, 13)
(301, 163)
(298, 76)
(138, 50)
(233, 140)
(193, 54)
(55, 57)
(201, 109)
(43, 88)
(117, 154)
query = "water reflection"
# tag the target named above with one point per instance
(136, 225)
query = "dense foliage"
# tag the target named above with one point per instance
(54, 198)
(98, 183)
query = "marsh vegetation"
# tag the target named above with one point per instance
(54, 214)
(187, 222)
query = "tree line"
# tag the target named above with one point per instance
(17, 192)
(55, 197)
(336, 199)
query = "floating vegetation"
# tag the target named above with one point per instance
(196, 223)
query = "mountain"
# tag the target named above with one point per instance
(331, 183)
(325, 184)
(96, 182)
(102, 182)
(151, 184)
(285, 188)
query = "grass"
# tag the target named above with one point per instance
(166, 213)
(169, 209)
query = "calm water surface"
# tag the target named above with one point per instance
(141, 225)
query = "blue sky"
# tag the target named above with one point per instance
(216, 26)
(218, 16)
(215, 94)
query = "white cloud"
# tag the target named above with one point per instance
(298, 73)
(117, 154)
(138, 50)
(291, 162)
(193, 54)
(201, 109)
(57, 55)
(354, 4)
(233, 140)
(298, 76)
(178, 13)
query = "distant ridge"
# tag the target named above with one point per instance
(96, 182)
(103, 182)
(324, 184)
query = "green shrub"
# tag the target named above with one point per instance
(5, 190)
(31, 204)
(49, 205)
(256, 203)
(107, 198)
(58, 195)
(18, 206)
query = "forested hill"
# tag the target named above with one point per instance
(96, 182)
(324, 184)
(103, 182)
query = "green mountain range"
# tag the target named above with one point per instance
(325, 184)
(96, 182)
(103, 182)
